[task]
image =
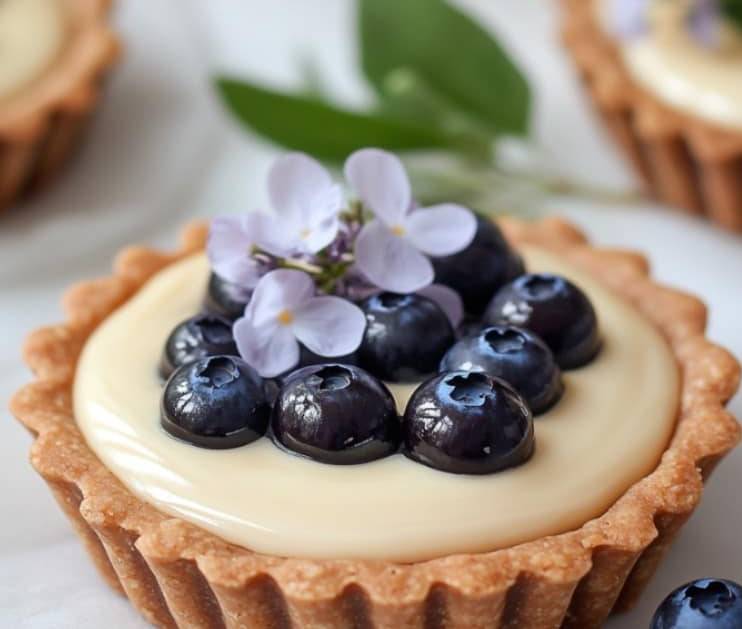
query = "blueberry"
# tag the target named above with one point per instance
(553, 308)
(336, 414)
(478, 271)
(194, 338)
(517, 356)
(216, 402)
(225, 298)
(405, 338)
(308, 357)
(701, 604)
(467, 423)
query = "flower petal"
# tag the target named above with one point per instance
(380, 181)
(391, 262)
(316, 237)
(300, 188)
(228, 249)
(448, 300)
(271, 349)
(441, 230)
(283, 289)
(330, 326)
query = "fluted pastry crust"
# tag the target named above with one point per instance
(179, 575)
(41, 127)
(684, 161)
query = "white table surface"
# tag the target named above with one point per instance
(162, 151)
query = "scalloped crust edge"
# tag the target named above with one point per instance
(35, 148)
(683, 161)
(178, 575)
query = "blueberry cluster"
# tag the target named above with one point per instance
(473, 412)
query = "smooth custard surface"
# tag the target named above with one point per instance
(607, 432)
(32, 34)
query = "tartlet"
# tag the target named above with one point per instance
(177, 574)
(42, 120)
(684, 160)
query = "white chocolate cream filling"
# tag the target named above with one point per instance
(669, 63)
(32, 33)
(608, 431)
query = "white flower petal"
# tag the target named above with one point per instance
(283, 289)
(299, 188)
(318, 236)
(380, 181)
(273, 234)
(391, 262)
(448, 300)
(330, 326)
(271, 349)
(228, 249)
(441, 230)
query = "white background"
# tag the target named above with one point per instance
(162, 151)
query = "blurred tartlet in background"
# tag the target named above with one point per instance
(54, 57)
(666, 78)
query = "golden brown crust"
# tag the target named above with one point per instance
(684, 161)
(41, 126)
(179, 575)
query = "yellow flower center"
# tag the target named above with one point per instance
(398, 230)
(305, 233)
(285, 317)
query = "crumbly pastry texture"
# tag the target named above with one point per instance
(178, 575)
(683, 160)
(41, 127)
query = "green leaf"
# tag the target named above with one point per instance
(733, 11)
(327, 132)
(451, 52)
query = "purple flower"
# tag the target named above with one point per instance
(391, 250)
(704, 21)
(231, 242)
(306, 202)
(284, 310)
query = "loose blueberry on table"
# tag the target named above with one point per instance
(336, 414)
(216, 402)
(701, 604)
(405, 337)
(194, 338)
(517, 356)
(478, 271)
(468, 423)
(553, 308)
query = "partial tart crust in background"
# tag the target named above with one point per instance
(42, 125)
(178, 575)
(683, 160)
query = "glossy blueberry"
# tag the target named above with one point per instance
(517, 356)
(336, 414)
(405, 338)
(225, 298)
(216, 402)
(308, 357)
(467, 423)
(198, 337)
(478, 271)
(553, 308)
(701, 604)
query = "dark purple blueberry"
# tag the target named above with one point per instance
(517, 356)
(225, 298)
(554, 309)
(701, 604)
(198, 337)
(479, 271)
(308, 357)
(216, 402)
(468, 423)
(336, 414)
(405, 338)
